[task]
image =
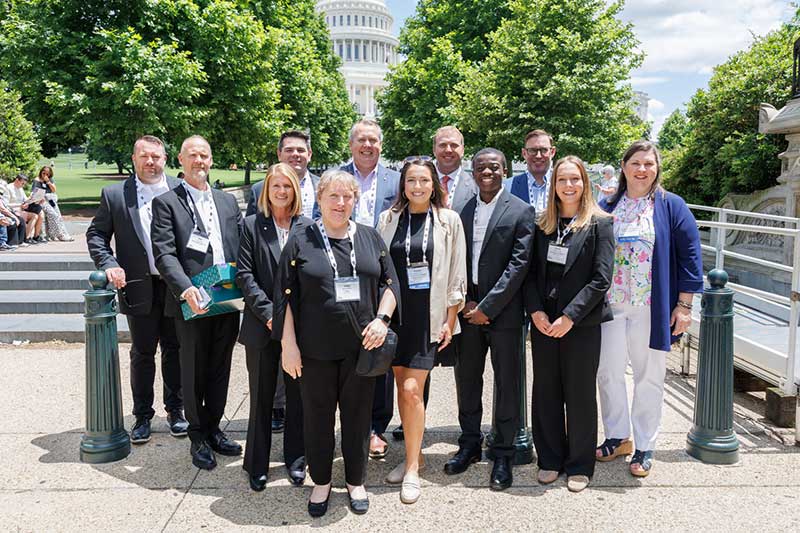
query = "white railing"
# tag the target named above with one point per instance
(788, 374)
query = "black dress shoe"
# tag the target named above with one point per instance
(296, 472)
(140, 433)
(221, 444)
(398, 434)
(258, 482)
(501, 474)
(178, 426)
(358, 506)
(202, 456)
(317, 510)
(278, 420)
(463, 458)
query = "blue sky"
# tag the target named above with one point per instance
(683, 40)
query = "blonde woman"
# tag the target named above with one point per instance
(427, 246)
(570, 273)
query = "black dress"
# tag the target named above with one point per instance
(414, 349)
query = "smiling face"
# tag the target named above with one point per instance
(641, 170)
(569, 187)
(296, 154)
(448, 149)
(148, 161)
(418, 187)
(196, 160)
(281, 192)
(366, 146)
(489, 169)
(336, 203)
(538, 154)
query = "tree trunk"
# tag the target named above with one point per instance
(247, 173)
(120, 168)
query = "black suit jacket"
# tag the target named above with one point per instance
(503, 260)
(586, 277)
(259, 252)
(118, 217)
(170, 232)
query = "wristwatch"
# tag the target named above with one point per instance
(386, 318)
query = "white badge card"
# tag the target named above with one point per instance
(198, 242)
(628, 233)
(419, 277)
(557, 254)
(347, 289)
(205, 298)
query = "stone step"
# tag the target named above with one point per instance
(50, 262)
(50, 327)
(40, 280)
(41, 302)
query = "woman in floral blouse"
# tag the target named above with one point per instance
(657, 269)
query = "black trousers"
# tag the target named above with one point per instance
(263, 369)
(205, 353)
(564, 375)
(326, 385)
(383, 403)
(504, 344)
(147, 333)
(16, 232)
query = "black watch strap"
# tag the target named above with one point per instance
(386, 318)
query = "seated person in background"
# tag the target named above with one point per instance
(14, 224)
(55, 228)
(29, 212)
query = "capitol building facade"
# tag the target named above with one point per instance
(361, 32)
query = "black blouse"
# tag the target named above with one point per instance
(305, 280)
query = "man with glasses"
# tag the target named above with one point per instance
(125, 213)
(533, 185)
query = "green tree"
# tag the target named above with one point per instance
(561, 66)
(439, 47)
(723, 151)
(19, 148)
(673, 131)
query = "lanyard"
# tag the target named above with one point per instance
(197, 211)
(425, 236)
(561, 236)
(351, 231)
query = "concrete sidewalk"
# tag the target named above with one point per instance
(46, 488)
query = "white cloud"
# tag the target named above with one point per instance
(692, 36)
(657, 113)
(644, 81)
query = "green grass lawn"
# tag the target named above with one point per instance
(79, 187)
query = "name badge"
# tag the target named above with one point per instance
(198, 242)
(347, 289)
(628, 233)
(557, 254)
(419, 277)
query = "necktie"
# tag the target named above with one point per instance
(445, 186)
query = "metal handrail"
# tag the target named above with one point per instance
(764, 216)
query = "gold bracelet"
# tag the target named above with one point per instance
(685, 305)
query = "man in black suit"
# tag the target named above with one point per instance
(125, 213)
(499, 233)
(195, 227)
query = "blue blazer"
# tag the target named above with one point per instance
(386, 193)
(677, 262)
(518, 186)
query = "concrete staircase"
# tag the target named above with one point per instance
(41, 296)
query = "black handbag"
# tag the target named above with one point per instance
(378, 361)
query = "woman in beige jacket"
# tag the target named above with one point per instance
(427, 246)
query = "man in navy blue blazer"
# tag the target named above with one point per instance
(379, 188)
(533, 185)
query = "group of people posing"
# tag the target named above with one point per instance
(457, 264)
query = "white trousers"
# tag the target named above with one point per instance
(624, 339)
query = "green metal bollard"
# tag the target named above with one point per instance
(105, 439)
(712, 439)
(523, 442)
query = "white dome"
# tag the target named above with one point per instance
(361, 32)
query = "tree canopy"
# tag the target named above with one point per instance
(561, 66)
(237, 72)
(722, 151)
(19, 147)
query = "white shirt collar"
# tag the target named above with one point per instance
(160, 184)
(196, 193)
(546, 175)
(492, 202)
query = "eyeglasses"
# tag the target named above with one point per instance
(537, 151)
(417, 158)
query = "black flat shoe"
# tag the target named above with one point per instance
(398, 433)
(178, 426)
(258, 482)
(462, 460)
(358, 506)
(202, 456)
(501, 477)
(296, 472)
(140, 433)
(278, 420)
(221, 444)
(317, 510)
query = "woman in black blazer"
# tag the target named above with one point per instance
(570, 272)
(263, 238)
